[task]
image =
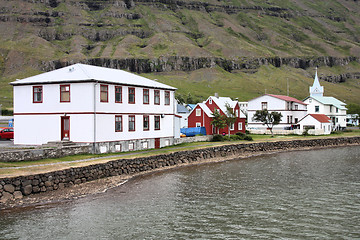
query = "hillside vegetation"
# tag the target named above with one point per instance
(238, 48)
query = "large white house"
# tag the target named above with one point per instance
(292, 111)
(113, 109)
(330, 106)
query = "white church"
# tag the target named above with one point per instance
(317, 103)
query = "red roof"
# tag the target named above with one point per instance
(287, 98)
(321, 118)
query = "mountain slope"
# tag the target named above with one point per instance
(237, 41)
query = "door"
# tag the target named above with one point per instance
(65, 128)
(157, 142)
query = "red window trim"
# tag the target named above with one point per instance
(107, 92)
(129, 96)
(64, 85)
(148, 128)
(134, 123)
(148, 94)
(118, 87)
(120, 116)
(34, 94)
(156, 117)
(167, 97)
(156, 93)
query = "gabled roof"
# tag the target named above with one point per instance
(287, 98)
(329, 101)
(204, 108)
(221, 102)
(321, 118)
(85, 73)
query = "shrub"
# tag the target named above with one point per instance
(247, 131)
(226, 138)
(218, 138)
(236, 137)
(248, 138)
(240, 134)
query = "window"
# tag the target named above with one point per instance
(337, 110)
(146, 123)
(156, 97)
(198, 112)
(296, 120)
(288, 105)
(296, 107)
(198, 124)
(131, 123)
(118, 94)
(237, 112)
(118, 123)
(157, 122)
(317, 109)
(288, 119)
(232, 126)
(240, 126)
(146, 96)
(132, 95)
(167, 98)
(37, 94)
(263, 105)
(330, 108)
(103, 93)
(64, 93)
(210, 101)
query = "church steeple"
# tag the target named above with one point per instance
(316, 90)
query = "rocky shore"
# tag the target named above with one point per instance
(77, 182)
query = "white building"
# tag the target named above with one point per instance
(116, 110)
(183, 112)
(352, 119)
(316, 124)
(330, 106)
(292, 110)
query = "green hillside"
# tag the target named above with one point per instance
(238, 48)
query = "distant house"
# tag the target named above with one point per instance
(184, 113)
(112, 109)
(352, 119)
(330, 106)
(201, 115)
(292, 110)
(190, 107)
(320, 123)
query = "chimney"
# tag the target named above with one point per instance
(216, 95)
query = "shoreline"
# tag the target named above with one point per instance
(101, 185)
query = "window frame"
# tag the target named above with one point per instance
(167, 97)
(156, 95)
(37, 87)
(156, 119)
(148, 96)
(61, 98)
(264, 105)
(103, 91)
(198, 112)
(130, 117)
(148, 123)
(130, 89)
(121, 123)
(240, 126)
(198, 124)
(232, 127)
(116, 92)
(317, 108)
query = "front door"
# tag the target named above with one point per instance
(65, 128)
(157, 142)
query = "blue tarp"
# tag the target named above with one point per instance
(190, 132)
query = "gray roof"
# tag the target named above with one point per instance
(85, 73)
(181, 109)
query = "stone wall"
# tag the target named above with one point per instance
(17, 187)
(205, 138)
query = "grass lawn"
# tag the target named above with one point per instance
(53, 164)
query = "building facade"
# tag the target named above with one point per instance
(202, 115)
(292, 111)
(330, 106)
(88, 104)
(317, 124)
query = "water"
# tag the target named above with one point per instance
(297, 195)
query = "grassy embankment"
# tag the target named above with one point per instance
(46, 165)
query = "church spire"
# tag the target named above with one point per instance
(316, 90)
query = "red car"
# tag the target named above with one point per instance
(7, 133)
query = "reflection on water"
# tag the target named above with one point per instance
(297, 195)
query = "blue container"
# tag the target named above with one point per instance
(190, 132)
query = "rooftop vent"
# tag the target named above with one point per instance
(71, 69)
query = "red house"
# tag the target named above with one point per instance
(201, 115)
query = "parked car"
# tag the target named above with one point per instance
(7, 133)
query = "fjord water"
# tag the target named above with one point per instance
(296, 195)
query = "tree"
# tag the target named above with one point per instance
(230, 118)
(219, 121)
(267, 118)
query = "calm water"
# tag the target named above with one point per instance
(297, 195)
